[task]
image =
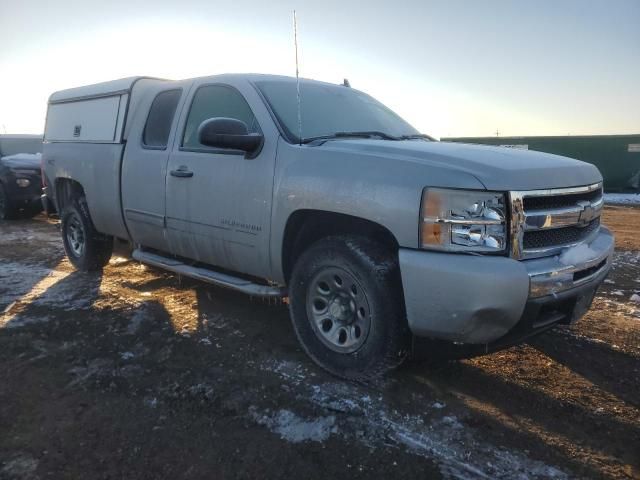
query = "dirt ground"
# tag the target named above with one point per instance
(137, 373)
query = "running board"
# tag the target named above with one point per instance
(208, 275)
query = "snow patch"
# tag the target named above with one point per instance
(138, 318)
(622, 198)
(578, 254)
(30, 284)
(96, 368)
(458, 450)
(17, 279)
(295, 429)
(626, 258)
(21, 466)
(24, 236)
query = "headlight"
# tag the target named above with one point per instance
(23, 182)
(463, 220)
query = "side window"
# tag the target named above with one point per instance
(158, 126)
(216, 101)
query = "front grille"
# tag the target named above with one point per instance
(558, 236)
(543, 222)
(560, 201)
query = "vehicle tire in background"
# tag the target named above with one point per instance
(32, 210)
(347, 307)
(86, 248)
(8, 211)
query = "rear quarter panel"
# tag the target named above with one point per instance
(95, 166)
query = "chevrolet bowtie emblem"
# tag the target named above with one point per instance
(587, 214)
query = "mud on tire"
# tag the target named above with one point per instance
(347, 308)
(86, 248)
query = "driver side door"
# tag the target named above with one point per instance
(218, 200)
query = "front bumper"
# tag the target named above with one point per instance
(23, 196)
(479, 299)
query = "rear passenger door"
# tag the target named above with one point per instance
(219, 213)
(144, 166)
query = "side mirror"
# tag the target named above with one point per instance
(223, 132)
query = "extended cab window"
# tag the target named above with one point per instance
(216, 101)
(158, 126)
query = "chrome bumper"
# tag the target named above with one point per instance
(573, 268)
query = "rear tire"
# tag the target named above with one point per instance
(347, 307)
(86, 248)
(8, 211)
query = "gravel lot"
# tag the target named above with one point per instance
(137, 373)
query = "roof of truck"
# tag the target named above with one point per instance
(123, 85)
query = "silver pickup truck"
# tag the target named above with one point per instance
(379, 236)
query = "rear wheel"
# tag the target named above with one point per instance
(347, 307)
(86, 248)
(8, 211)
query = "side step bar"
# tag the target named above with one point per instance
(208, 275)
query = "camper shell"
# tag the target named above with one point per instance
(95, 116)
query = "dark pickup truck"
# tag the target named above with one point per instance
(20, 185)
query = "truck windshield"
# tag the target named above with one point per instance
(330, 111)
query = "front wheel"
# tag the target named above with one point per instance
(347, 307)
(8, 211)
(86, 248)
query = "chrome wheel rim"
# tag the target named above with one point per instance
(338, 310)
(76, 237)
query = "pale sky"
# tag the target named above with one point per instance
(451, 68)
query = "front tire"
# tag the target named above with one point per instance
(347, 308)
(8, 211)
(87, 249)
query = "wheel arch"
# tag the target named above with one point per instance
(66, 189)
(306, 226)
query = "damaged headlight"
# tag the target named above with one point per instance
(463, 220)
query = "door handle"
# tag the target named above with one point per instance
(181, 172)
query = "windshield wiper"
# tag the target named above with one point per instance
(417, 135)
(364, 134)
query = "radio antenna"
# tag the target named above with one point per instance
(295, 41)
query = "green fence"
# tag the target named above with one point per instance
(616, 156)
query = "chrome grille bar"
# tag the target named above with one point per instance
(581, 214)
(578, 213)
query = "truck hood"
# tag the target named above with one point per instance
(497, 168)
(26, 161)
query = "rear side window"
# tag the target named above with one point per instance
(216, 101)
(163, 108)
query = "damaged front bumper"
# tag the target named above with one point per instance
(480, 299)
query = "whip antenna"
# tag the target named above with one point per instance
(295, 41)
